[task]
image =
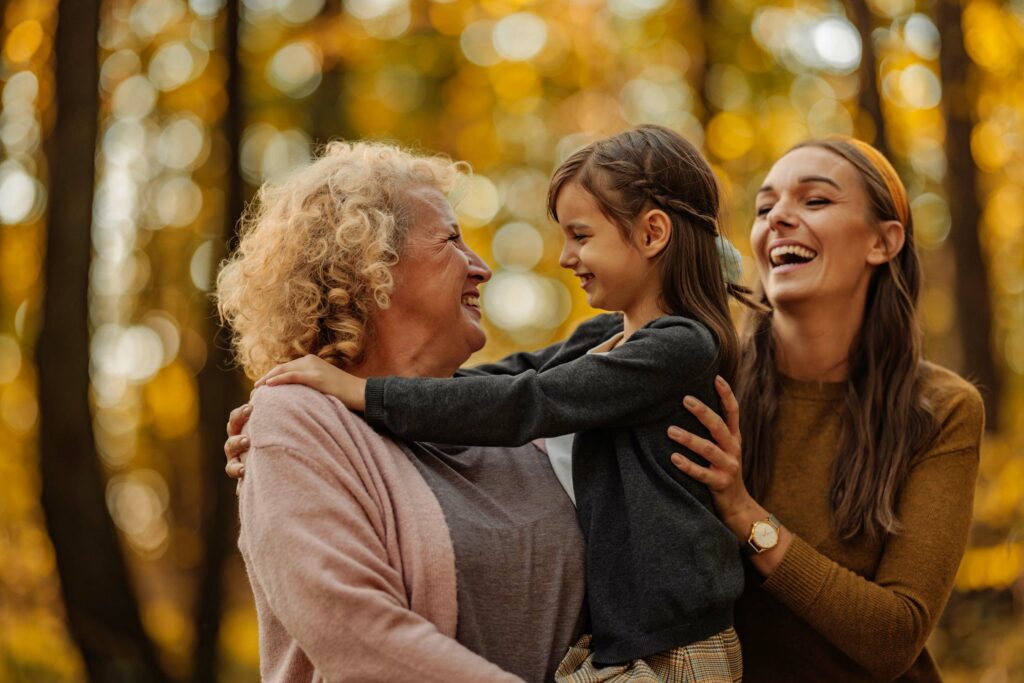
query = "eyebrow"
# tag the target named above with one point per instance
(806, 179)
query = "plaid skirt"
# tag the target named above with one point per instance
(715, 660)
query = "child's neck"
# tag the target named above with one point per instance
(639, 314)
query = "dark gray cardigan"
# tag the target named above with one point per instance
(662, 570)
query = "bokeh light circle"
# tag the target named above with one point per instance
(520, 36)
(517, 246)
(479, 202)
(295, 69)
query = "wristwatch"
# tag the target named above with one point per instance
(764, 535)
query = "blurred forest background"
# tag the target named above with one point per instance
(134, 130)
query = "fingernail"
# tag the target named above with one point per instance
(241, 471)
(247, 410)
(719, 381)
(675, 431)
(244, 442)
(690, 402)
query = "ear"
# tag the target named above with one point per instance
(888, 241)
(653, 232)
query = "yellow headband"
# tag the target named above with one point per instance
(892, 180)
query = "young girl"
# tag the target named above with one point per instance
(639, 213)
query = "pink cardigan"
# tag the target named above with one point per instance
(347, 551)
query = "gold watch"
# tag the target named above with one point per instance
(764, 535)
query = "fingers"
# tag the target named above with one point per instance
(730, 405)
(293, 377)
(705, 475)
(702, 447)
(711, 420)
(237, 419)
(274, 372)
(307, 362)
(236, 446)
(235, 469)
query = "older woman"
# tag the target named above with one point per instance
(866, 454)
(373, 559)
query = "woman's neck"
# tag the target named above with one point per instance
(812, 343)
(395, 355)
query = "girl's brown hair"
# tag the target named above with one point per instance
(887, 420)
(652, 167)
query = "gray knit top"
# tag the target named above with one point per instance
(662, 570)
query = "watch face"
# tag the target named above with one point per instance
(765, 535)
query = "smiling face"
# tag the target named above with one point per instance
(436, 296)
(614, 273)
(814, 236)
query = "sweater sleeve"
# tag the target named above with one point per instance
(595, 329)
(635, 383)
(311, 535)
(883, 624)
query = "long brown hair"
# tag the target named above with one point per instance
(888, 421)
(653, 167)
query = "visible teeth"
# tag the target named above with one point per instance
(470, 300)
(777, 253)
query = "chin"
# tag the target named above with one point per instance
(476, 339)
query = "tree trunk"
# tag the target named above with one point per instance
(700, 75)
(869, 100)
(220, 390)
(99, 598)
(973, 307)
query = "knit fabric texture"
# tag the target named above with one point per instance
(859, 611)
(662, 570)
(347, 551)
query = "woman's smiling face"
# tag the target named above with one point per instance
(815, 237)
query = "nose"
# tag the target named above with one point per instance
(478, 270)
(567, 258)
(780, 216)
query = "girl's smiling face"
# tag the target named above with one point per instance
(815, 237)
(612, 271)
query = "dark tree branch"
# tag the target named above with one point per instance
(98, 595)
(973, 306)
(220, 390)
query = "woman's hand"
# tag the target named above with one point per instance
(724, 473)
(317, 373)
(236, 445)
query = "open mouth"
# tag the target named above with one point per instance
(471, 301)
(585, 279)
(790, 255)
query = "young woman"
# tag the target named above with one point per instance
(864, 454)
(639, 215)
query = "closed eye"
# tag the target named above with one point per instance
(818, 201)
(580, 238)
(763, 210)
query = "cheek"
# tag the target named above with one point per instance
(758, 242)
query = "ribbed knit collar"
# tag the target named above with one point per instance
(814, 391)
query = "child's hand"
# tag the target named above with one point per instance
(317, 373)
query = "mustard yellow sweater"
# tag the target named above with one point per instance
(837, 611)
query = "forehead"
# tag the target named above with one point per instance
(573, 198)
(813, 161)
(430, 208)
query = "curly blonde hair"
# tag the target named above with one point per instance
(315, 255)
